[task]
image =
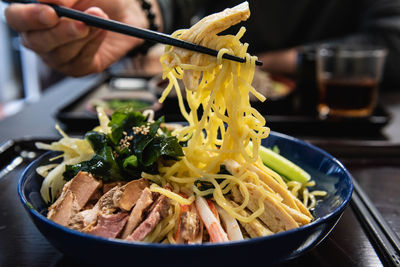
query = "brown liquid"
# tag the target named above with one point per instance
(350, 97)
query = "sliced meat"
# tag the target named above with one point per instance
(215, 23)
(254, 228)
(287, 197)
(88, 217)
(84, 219)
(127, 195)
(74, 196)
(272, 185)
(106, 202)
(93, 199)
(136, 216)
(64, 208)
(191, 227)
(84, 185)
(202, 33)
(299, 217)
(302, 208)
(274, 215)
(108, 186)
(157, 213)
(109, 225)
(76, 222)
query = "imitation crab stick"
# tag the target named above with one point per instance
(231, 225)
(213, 209)
(214, 228)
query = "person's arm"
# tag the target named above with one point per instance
(71, 47)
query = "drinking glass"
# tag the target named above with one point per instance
(348, 79)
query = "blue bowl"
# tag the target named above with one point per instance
(329, 174)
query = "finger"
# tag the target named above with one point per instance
(65, 53)
(27, 17)
(88, 60)
(66, 31)
(80, 59)
(44, 41)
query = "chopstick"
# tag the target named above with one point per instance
(383, 238)
(115, 26)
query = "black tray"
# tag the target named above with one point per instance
(75, 115)
(282, 116)
(311, 124)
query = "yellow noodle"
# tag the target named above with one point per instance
(224, 130)
(171, 195)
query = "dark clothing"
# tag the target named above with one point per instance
(280, 24)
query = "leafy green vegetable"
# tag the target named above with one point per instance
(169, 146)
(97, 140)
(130, 161)
(123, 120)
(133, 146)
(96, 166)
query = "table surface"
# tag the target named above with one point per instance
(376, 168)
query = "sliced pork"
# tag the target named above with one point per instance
(74, 196)
(136, 216)
(108, 225)
(84, 185)
(64, 208)
(108, 186)
(157, 213)
(106, 202)
(88, 217)
(126, 196)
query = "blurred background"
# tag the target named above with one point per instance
(23, 77)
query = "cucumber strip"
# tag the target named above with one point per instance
(282, 165)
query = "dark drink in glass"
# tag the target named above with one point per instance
(347, 97)
(348, 78)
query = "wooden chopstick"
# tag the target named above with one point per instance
(381, 235)
(115, 26)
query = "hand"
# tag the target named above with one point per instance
(280, 62)
(70, 46)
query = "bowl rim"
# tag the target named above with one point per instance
(322, 220)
